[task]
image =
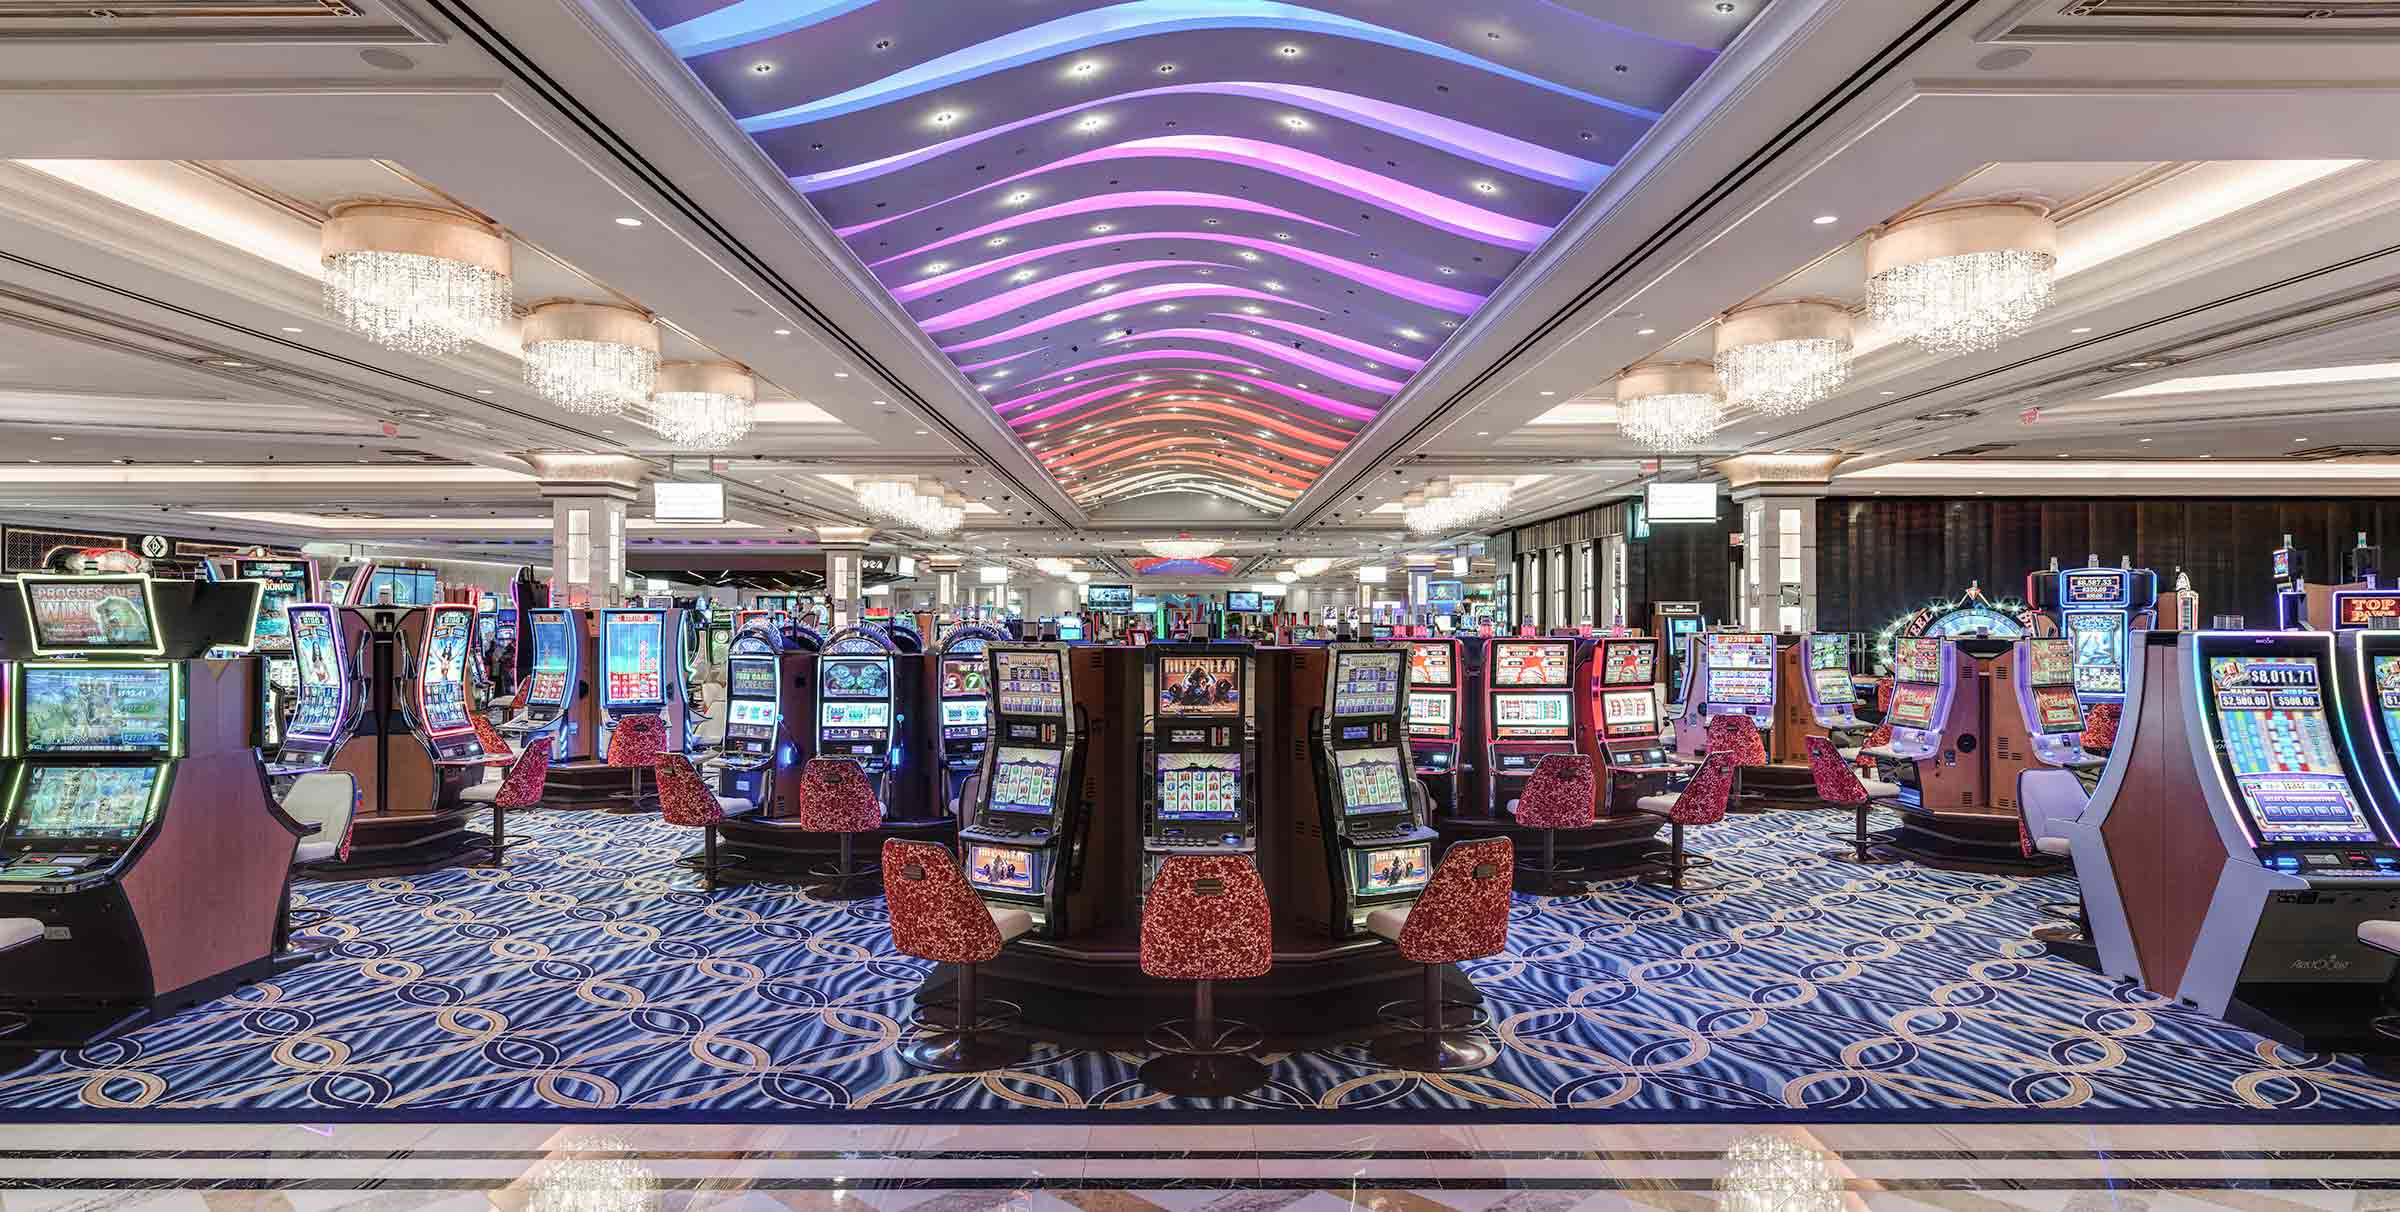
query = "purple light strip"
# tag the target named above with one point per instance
(1010, 300)
(1335, 339)
(1441, 298)
(1358, 184)
(1127, 201)
(1339, 408)
(1130, 298)
(974, 366)
(1269, 349)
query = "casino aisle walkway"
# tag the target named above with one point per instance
(1224, 1168)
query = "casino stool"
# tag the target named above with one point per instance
(327, 799)
(936, 916)
(1206, 920)
(635, 744)
(2383, 936)
(1562, 794)
(685, 799)
(1701, 802)
(2047, 802)
(836, 796)
(1736, 736)
(17, 932)
(522, 788)
(1839, 785)
(488, 737)
(1461, 915)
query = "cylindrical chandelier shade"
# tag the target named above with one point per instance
(1963, 279)
(1778, 358)
(705, 405)
(593, 358)
(1670, 406)
(418, 279)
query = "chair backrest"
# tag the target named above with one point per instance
(1737, 737)
(836, 796)
(528, 778)
(1704, 798)
(1560, 795)
(2047, 802)
(489, 738)
(1836, 782)
(329, 800)
(1207, 919)
(684, 797)
(637, 740)
(935, 915)
(1463, 913)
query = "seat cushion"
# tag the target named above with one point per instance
(481, 793)
(315, 852)
(1884, 752)
(1657, 803)
(1386, 923)
(1848, 753)
(1012, 923)
(2381, 935)
(2054, 845)
(18, 931)
(734, 806)
(1877, 789)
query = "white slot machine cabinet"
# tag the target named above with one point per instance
(554, 701)
(1924, 679)
(641, 672)
(855, 700)
(1202, 794)
(1021, 834)
(1733, 673)
(1435, 669)
(966, 710)
(1832, 698)
(1528, 713)
(2046, 703)
(1379, 848)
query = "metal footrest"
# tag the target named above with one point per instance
(1664, 876)
(1851, 848)
(1233, 1037)
(993, 1014)
(843, 885)
(1408, 1014)
(1219, 1066)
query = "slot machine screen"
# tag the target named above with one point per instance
(1199, 786)
(1025, 779)
(1628, 713)
(1532, 716)
(2057, 709)
(962, 678)
(1917, 659)
(1031, 683)
(2099, 640)
(1912, 706)
(91, 614)
(84, 803)
(2093, 588)
(1366, 683)
(284, 582)
(635, 651)
(2277, 747)
(1200, 685)
(2387, 699)
(1634, 664)
(1371, 781)
(1004, 868)
(553, 655)
(97, 708)
(1430, 665)
(1394, 869)
(2050, 662)
(1430, 714)
(832, 714)
(442, 687)
(1741, 668)
(487, 629)
(1530, 664)
(1833, 686)
(1828, 650)
(316, 650)
(854, 678)
(965, 713)
(750, 713)
(2283, 563)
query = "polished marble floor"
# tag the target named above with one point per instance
(1221, 1168)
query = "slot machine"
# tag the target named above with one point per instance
(282, 582)
(1529, 712)
(347, 582)
(1202, 793)
(768, 723)
(1673, 623)
(2096, 609)
(1733, 674)
(1924, 675)
(2367, 672)
(1832, 698)
(1378, 845)
(1434, 667)
(1624, 712)
(325, 709)
(855, 700)
(641, 671)
(966, 710)
(1021, 833)
(2053, 719)
(554, 694)
(2289, 566)
(440, 703)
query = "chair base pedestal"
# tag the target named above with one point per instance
(952, 1052)
(1441, 1052)
(1204, 1075)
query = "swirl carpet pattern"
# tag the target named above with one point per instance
(590, 978)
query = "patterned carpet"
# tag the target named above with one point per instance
(589, 980)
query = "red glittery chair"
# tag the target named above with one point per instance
(495, 746)
(936, 916)
(1701, 802)
(1562, 794)
(836, 796)
(1206, 920)
(1839, 785)
(1461, 915)
(685, 799)
(1737, 737)
(521, 789)
(635, 744)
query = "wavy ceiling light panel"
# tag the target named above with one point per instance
(1193, 245)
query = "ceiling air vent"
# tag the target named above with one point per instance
(398, 455)
(2217, 21)
(1976, 452)
(316, 22)
(2318, 454)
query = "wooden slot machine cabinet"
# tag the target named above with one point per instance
(1368, 842)
(1816, 696)
(1946, 699)
(404, 819)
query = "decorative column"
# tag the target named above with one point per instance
(1420, 587)
(587, 495)
(845, 579)
(945, 582)
(1775, 499)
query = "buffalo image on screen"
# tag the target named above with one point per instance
(1200, 685)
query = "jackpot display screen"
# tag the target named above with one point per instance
(2387, 700)
(91, 613)
(1628, 664)
(854, 677)
(1531, 664)
(1532, 716)
(2057, 710)
(1025, 779)
(1031, 683)
(1004, 868)
(553, 658)
(2099, 641)
(1393, 869)
(442, 686)
(84, 803)
(1430, 665)
(97, 708)
(1430, 714)
(965, 713)
(2049, 662)
(1917, 659)
(2277, 748)
(1912, 706)
(1371, 781)
(832, 714)
(1626, 713)
(1199, 786)
(284, 582)
(962, 678)
(1366, 683)
(1200, 685)
(633, 651)
(2092, 588)
(316, 651)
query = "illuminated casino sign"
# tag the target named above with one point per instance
(2368, 608)
(1968, 614)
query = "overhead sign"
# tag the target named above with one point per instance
(1688, 502)
(673, 501)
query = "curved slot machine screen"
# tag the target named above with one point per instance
(1430, 665)
(1829, 668)
(1366, 683)
(85, 803)
(2057, 710)
(635, 643)
(1530, 664)
(2099, 641)
(284, 582)
(2277, 750)
(98, 708)
(2049, 662)
(317, 651)
(1741, 668)
(1030, 683)
(442, 691)
(552, 659)
(1200, 685)
(854, 678)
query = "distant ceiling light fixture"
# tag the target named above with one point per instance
(2079, 331)
(1084, 67)
(1779, 358)
(591, 358)
(1822, 220)
(1670, 406)
(935, 267)
(2137, 364)
(944, 118)
(1287, 577)
(1295, 121)
(1645, 332)
(1486, 187)
(1182, 547)
(1093, 122)
(1963, 279)
(1446, 506)
(705, 405)
(628, 221)
(1288, 51)
(418, 279)
(289, 328)
(1019, 198)
(1102, 229)
(762, 68)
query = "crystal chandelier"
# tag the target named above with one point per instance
(592, 1175)
(1287, 577)
(1669, 406)
(417, 279)
(912, 505)
(591, 358)
(1182, 547)
(1772, 1174)
(1444, 507)
(704, 405)
(1778, 358)
(1964, 279)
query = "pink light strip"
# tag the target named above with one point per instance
(1010, 300)
(1456, 302)
(1122, 299)
(1335, 339)
(1117, 201)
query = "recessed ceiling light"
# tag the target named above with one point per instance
(2079, 330)
(1485, 187)
(1092, 122)
(1549, 393)
(56, 438)
(762, 68)
(289, 328)
(1887, 393)
(608, 431)
(230, 364)
(783, 332)
(2208, 456)
(628, 221)
(923, 432)
(1084, 68)
(2137, 364)
(1288, 51)
(1483, 433)
(1295, 122)
(1822, 220)
(1019, 198)
(2145, 439)
(483, 391)
(1645, 332)
(2299, 439)
(945, 118)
